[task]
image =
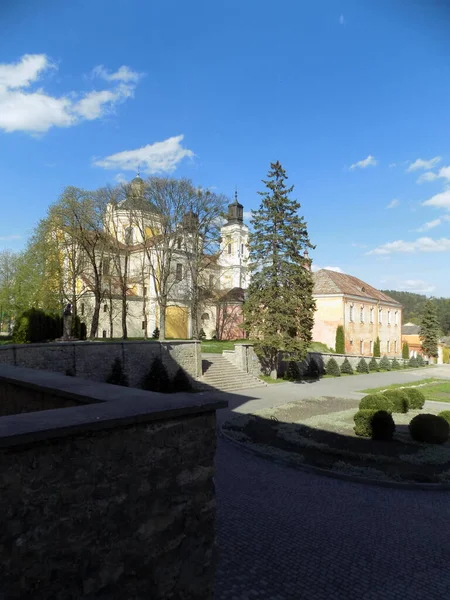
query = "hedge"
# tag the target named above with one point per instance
(384, 364)
(376, 424)
(346, 367)
(332, 368)
(373, 364)
(445, 414)
(416, 398)
(398, 399)
(362, 366)
(430, 429)
(375, 402)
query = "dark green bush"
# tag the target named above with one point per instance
(157, 379)
(83, 331)
(445, 414)
(117, 375)
(420, 361)
(35, 325)
(76, 325)
(375, 402)
(430, 429)
(395, 366)
(363, 422)
(376, 348)
(405, 350)
(413, 362)
(292, 372)
(181, 382)
(383, 426)
(332, 368)
(362, 366)
(346, 367)
(416, 399)
(155, 334)
(340, 340)
(399, 400)
(373, 364)
(384, 364)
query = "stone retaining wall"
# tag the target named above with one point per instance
(110, 498)
(93, 360)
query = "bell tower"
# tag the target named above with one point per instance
(233, 258)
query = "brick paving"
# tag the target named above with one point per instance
(287, 535)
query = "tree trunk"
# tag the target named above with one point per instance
(95, 317)
(124, 316)
(162, 319)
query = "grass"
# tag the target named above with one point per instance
(319, 347)
(217, 346)
(269, 379)
(436, 390)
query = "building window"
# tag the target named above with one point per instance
(179, 243)
(129, 236)
(380, 315)
(396, 318)
(229, 248)
(104, 333)
(351, 312)
(205, 316)
(144, 290)
(361, 347)
(242, 249)
(371, 347)
(351, 342)
(361, 314)
(179, 272)
(105, 308)
(389, 317)
(388, 346)
(82, 308)
(211, 281)
(371, 314)
(143, 324)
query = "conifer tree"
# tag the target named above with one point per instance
(377, 348)
(429, 329)
(405, 350)
(279, 309)
(340, 340)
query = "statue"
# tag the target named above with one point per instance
(67, 322)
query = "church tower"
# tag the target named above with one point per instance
(233, 258)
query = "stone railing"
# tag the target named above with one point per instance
(93, 360)
(108, 494)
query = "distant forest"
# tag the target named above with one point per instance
(413, 306)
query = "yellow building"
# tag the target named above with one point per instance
(363, 311)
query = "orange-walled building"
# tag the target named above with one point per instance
(365, 313)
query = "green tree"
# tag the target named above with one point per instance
(377, 348)
(279, 310)
(340, 340)
(405, 350)
(429, 329)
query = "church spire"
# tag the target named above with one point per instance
(235, 210)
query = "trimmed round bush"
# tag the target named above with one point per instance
(375, 424)
(373, 364)
(375, 402)
(362, 366)
(346, 367)
(429, 429)
(416, 399)
(413, 362)
(385, 364)
(395, 365)
(445, 414)
(332, 368)
(398, 399)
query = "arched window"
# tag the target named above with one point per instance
(361, 314)
(351, 312)
(229, 248)
(205, 316)
(129, 236)
(179, 244)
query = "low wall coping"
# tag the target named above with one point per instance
(102, 406)
(97, 341)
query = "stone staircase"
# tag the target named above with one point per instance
(223, 375)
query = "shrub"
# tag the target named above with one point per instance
(395, 366)
(83, 331)
(373, 364)
(398, 399)
(377, 348)
(157, 379)
(201, 334)
(375, 402)
(412, 362)
(416, 399)
(346, 367)
(117, 375)
(374, 423)
(405, 350)
(385, 364)
(362, 366)
(363, 422)
(445, 414)
(430, 429)
(35, 325)
(181, 382)
(292, 372)
(155, 334)
(340, 340)
(420, 361)
(332, 368)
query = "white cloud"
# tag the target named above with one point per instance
(356, 245)
(393, 203)
(443, 173)
(8, 238)
(420, 163)
(427, 176)
(35, 111)
(441, 200)
(341, 20)
(415, 285)
(160, 157)
(124, 74)
(423, 244)
(363, 164)
(435, 223)
(315, 268)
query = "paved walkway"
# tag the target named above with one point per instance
(288, 535)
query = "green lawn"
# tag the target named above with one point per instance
(217, 346)
(433, 389)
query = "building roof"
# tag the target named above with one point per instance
(410, 329)
(235, 295)
(328, 282)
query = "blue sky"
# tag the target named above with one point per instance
(351, 96)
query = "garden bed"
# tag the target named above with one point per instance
(327, 440)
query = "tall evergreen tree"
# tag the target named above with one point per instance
(405, 350)
(340, 340)
(377, 348)
(429, 329)
(279, 309)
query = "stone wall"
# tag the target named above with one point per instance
(93, 360)
(111, 499)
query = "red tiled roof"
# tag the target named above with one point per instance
(331, 282)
